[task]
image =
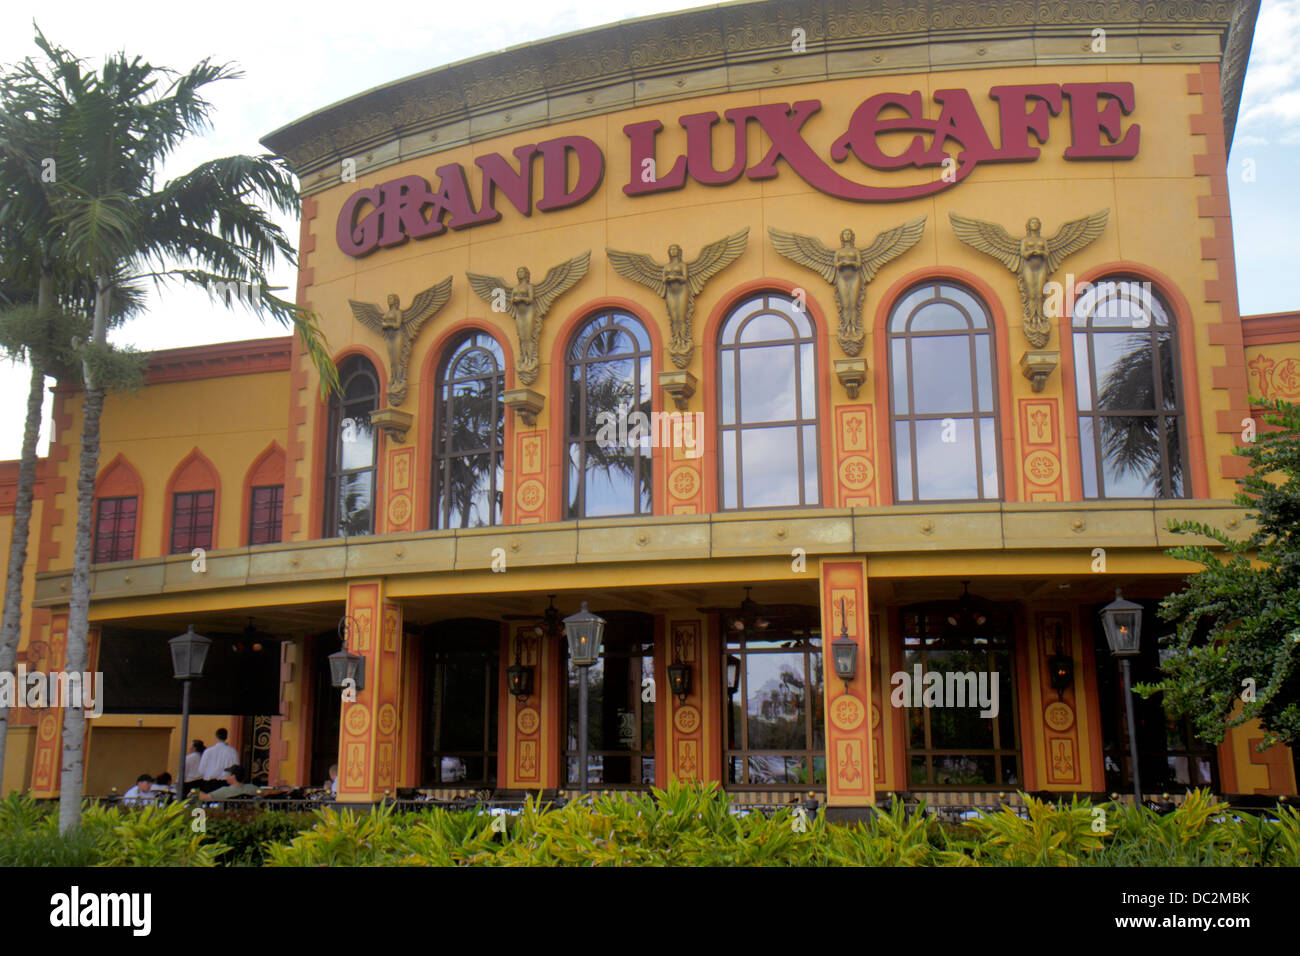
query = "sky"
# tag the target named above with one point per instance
(295, 62)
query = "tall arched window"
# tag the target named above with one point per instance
(943, 396)
(1131, 435)
(469, 434)
(350, 467)
(607, 442)
(767, 396)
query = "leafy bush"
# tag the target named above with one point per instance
(151, 836)
(247, 831)
(1054, 835)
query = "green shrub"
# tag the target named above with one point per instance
(247, 831)
(150, 836)
(1053, 835)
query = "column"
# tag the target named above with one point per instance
(368, 726)
(533, 726)
(850, 713)
(690, 729)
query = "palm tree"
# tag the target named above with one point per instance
(1131, 443)
(114, 221)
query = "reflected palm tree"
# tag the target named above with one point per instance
(612, 387)
(473, 426)
(1131, 444)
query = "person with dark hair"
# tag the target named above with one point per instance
(162, 786)
(213, 763)
(192, 761)
(141, 795)
(234, 786)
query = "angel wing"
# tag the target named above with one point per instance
(1073, 236)
(369, 315)
(425, 306)
(485, 286)
(713, 258)
(559, 280)
(805, 250)
(989, 238)
(891, 244)
(639, 268)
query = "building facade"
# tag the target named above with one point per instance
(753, 327)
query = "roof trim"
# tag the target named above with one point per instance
(746, 45)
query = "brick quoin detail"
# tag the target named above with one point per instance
(1217, 248)
(296, 503)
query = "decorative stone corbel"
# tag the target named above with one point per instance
(680, 385)
(526, 402)
(852, 373)
(395, 423)
(1038, 364)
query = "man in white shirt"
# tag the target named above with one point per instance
(140, 795)
(192, 761)
(215, 760)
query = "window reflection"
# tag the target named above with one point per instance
(620, 724)
(461, 661)
(768, 406)
(469, 438)
(350, 467)
(1127, 389)
(942, 396)
(608, 372)
(775, 734)
(951, 746)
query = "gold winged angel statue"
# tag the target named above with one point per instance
(1032, 258)
(399, 327)
(848, 269)
(678, 282)
(528, 303)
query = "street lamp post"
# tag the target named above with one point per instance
(189, 654)
(1123, 623)
(585, 632)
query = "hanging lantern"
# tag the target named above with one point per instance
(189, 654)
(585, 632)
(1123, 623)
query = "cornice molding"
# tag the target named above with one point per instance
(747, 46)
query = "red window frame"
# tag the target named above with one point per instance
(115, 528)
(193, 513)
(265, 514)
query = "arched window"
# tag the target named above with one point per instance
(469, 434)
(767, 395)
(350, 467)
(607, 418)
(943, 393)
(1131, 435)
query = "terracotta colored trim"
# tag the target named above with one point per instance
(9, 485)
(558, 394)
(1188, 373)
(426, 420)
(1010, 463)
(268, 468)
(710, 460)
(296, 502)
(1026, 711)
(248, 357)
(1218, 248)
(321, 447)
(119, 479)
(1280, 328)
(1092, 700)
(897, 743)
(180, 481)
(47, 548)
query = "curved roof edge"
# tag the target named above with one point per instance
(747, 45)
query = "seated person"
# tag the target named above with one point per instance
(235, 786)
(141, 794)
(162, 787)
(332, 784)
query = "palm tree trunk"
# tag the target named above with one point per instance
(11, 624)
(74, 715)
